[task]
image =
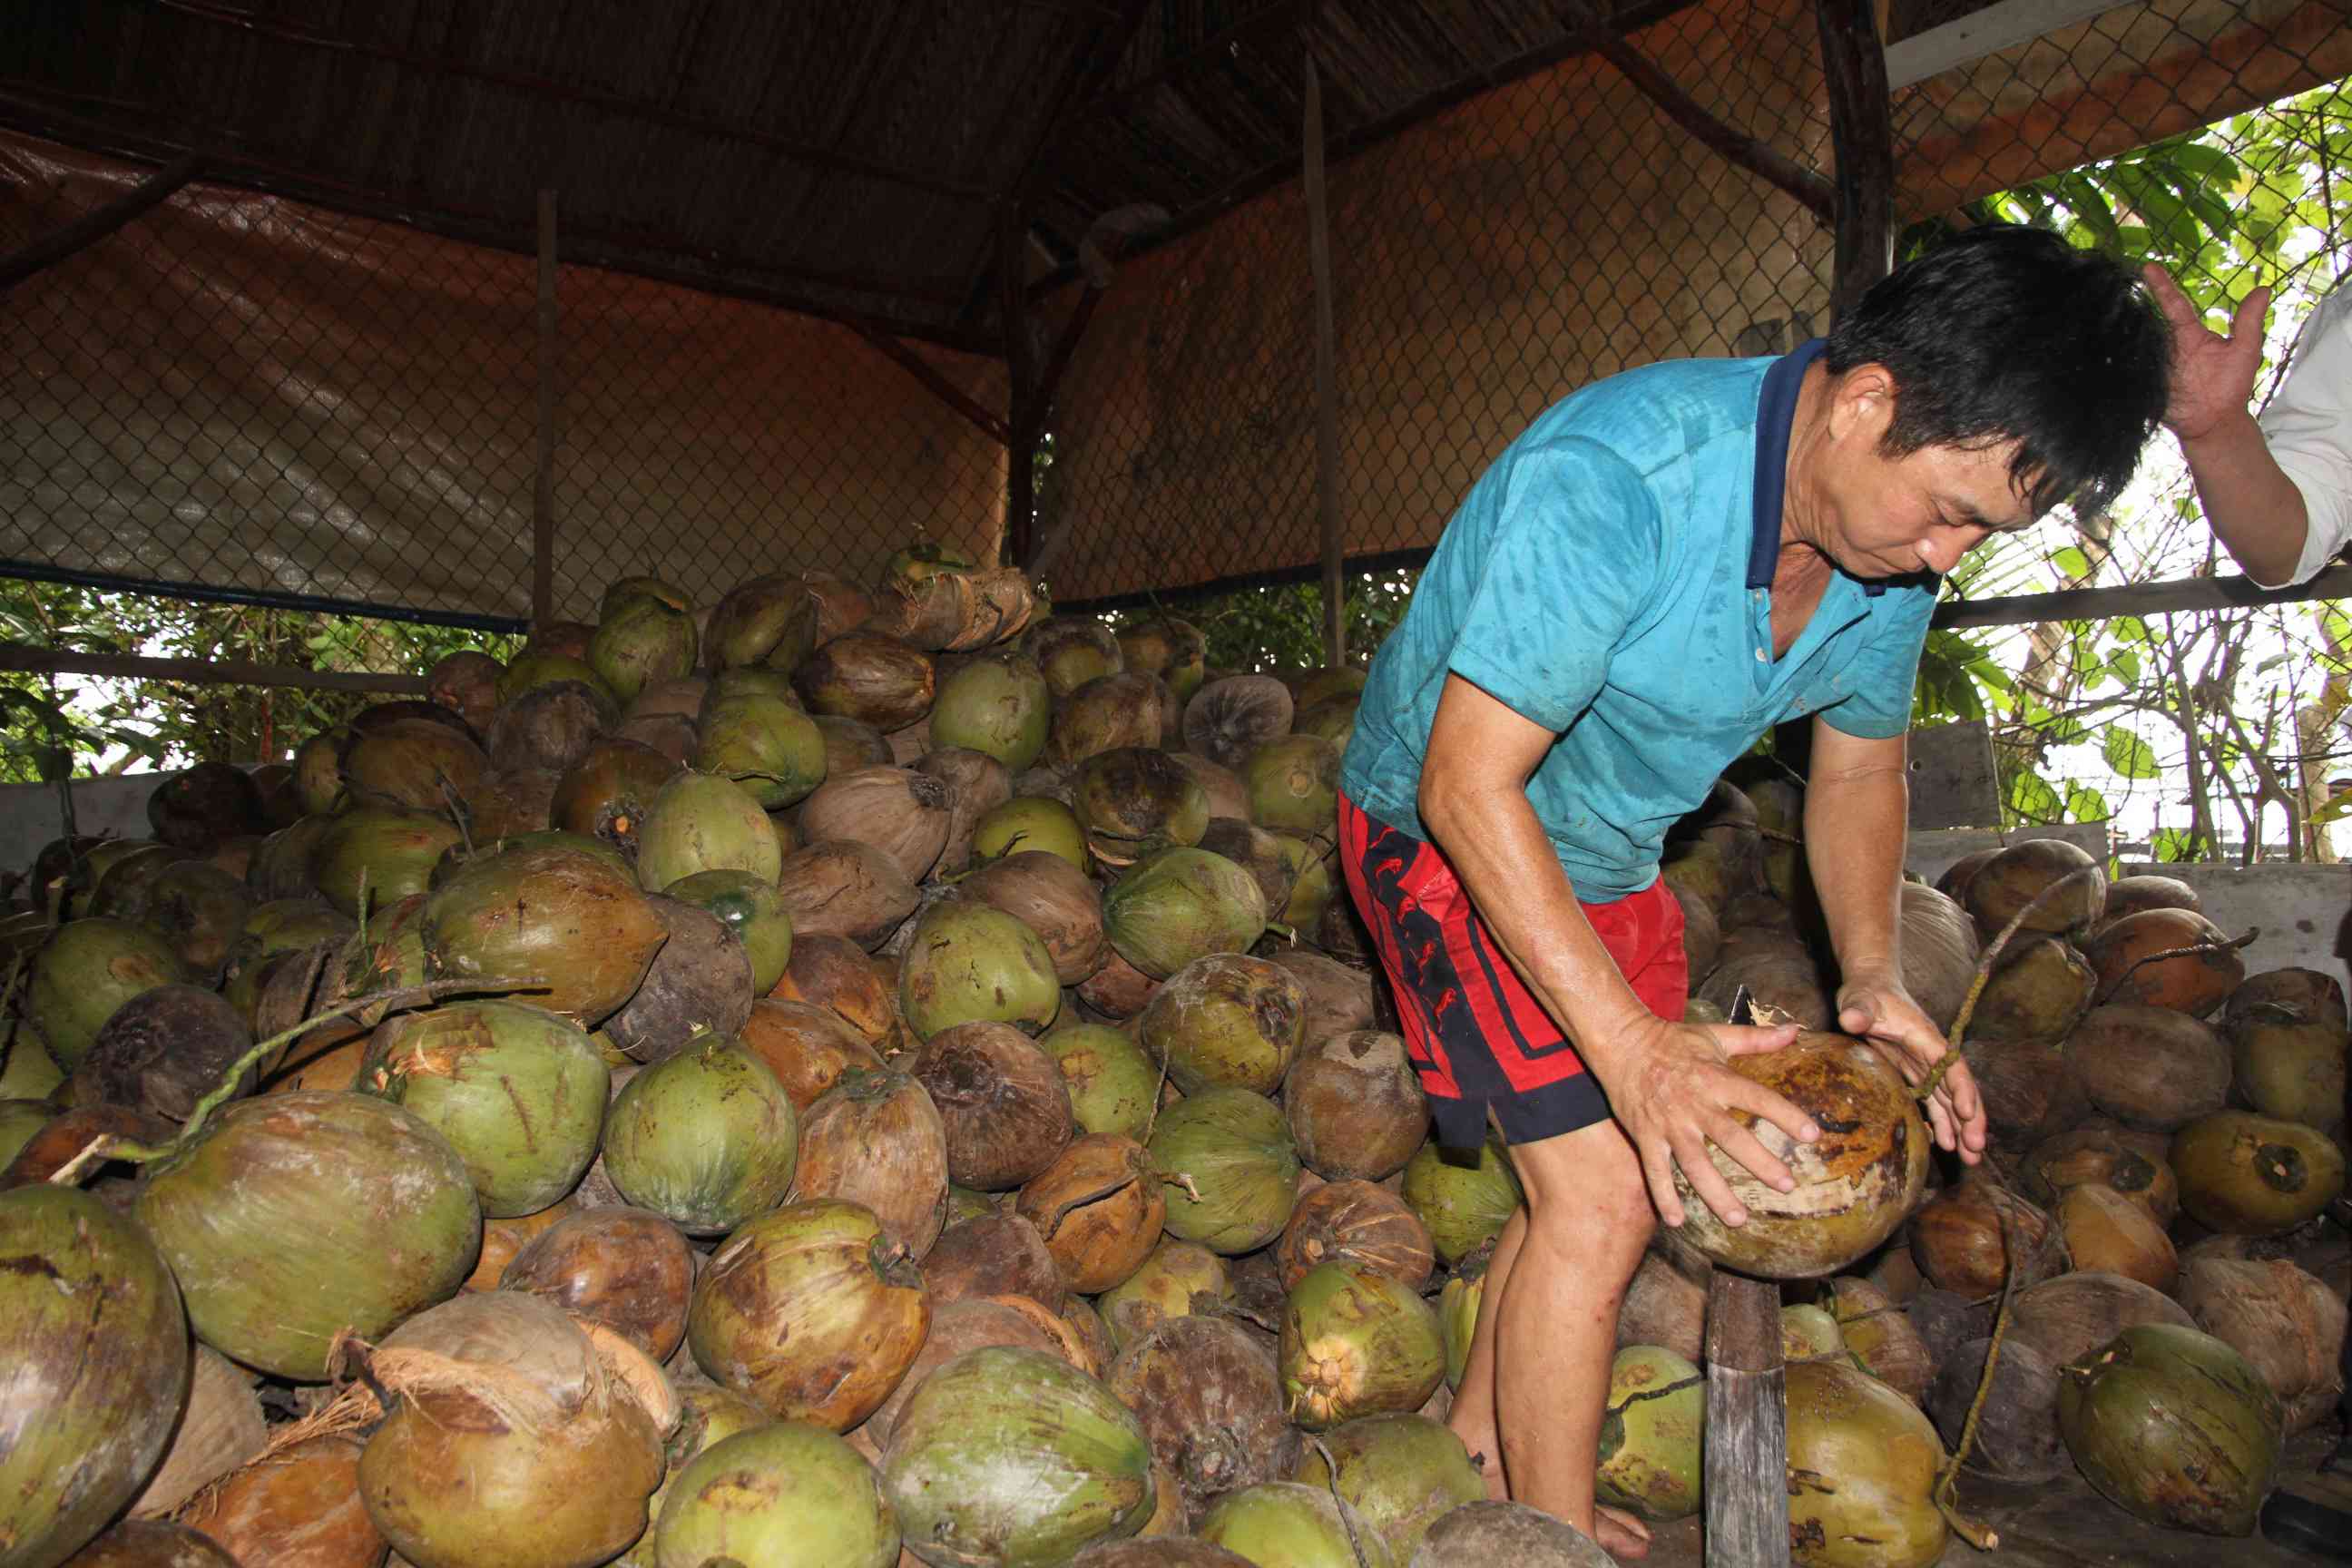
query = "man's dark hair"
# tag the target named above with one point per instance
(2009, 333)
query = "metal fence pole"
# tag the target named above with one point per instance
(1327, 396)
(542, 497)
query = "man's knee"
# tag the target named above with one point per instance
(1591, 1196)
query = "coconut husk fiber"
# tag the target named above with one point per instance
(2285, 1321)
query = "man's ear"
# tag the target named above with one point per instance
(1862, 405)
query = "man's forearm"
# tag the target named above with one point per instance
(1856, 823)
(1490, 835)
(2255, 510)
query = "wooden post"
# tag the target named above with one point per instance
(542, 494)
(1862, 135)
(98, 223)
(1746, 1481)
(1023, 418)
(1327, 396)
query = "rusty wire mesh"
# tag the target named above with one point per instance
(246, 397)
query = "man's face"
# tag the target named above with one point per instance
(1896, 517)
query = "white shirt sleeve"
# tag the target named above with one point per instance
(2308, 426)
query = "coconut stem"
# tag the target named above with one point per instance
(1984, 1538)
(1992, 955)
(380, 1004)
(1347, 1514)
(2206, 948)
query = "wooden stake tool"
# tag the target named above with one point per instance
(1747, 1472)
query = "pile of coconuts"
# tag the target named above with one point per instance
(885, 1074)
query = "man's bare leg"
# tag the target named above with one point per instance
(1536, 1384)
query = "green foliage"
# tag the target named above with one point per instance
(1280, 626)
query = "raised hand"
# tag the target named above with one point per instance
(2213, 375)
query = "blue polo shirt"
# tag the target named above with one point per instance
(1610, 579)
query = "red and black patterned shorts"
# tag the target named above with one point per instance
(1478, 1036)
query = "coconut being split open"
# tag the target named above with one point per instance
(1853, 1186)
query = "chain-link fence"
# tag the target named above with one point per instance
(241, 396)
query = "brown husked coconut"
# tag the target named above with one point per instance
(1099, 1207)
(509, 804)
(1254, 850)
(838, 975)
(844, 889)
(1939, 952)
(2030, 1091)
(504, 1239)
(2103, 1230)
(967, 1323)
(904, 814)
(2285, 1321)
(1968, 1238)
(2150, 1143)
(2155, 1067)
(298, 1508)
(1702, 934)
(1360, 1224)
(219, 1428)
(1229, 718)
(1107, 714)
(1946, 1320)
(2130, 956)
(626, 1269)
(1339, 997)
(875, 1139)
(2288, 995)
(1778, 970)
(2068, 1318)
(869, 676)
(466, 683)
(550, 726)
(2010, 880)
(977, 784)
(807, 1048)
(1228, 796)
(841, 605)
(2017, 1432)
(606, 794)
(957, 610)
(418, 765)
(2039, 988)
(162, 1051)
(1006, 1104)
(150, 1544)
(1880, 1336)
(1355, 1106)
(1666, 1306)
(1210, 1399)
(850, 744)
(1052, 898)
(2101, 1155)
(673, 735)
(2131, 895)
(1117, 990)
(700, 979)
(994, 1256)
(682, 696)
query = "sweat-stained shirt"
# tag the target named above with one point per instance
(1610, 579)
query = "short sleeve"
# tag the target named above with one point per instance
(1574, 555)
(2305, 427)
(1884, 673)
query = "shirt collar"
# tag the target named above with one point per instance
(1776, 417)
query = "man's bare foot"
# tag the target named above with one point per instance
(1619, 1533)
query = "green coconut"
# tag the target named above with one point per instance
(753, 910)
(558, 916)
(1030, 822)
(1294, 783)
(530, 671)
(1296, 1526)
(620, 590)
(1072, 650)
(1175, 905)
(811, 1312)
(765, 744)
(999, 705)
(1226, 1021)
(319, 772)
(1332, 718)
(707, 1139)
(2292, 1069)
(95, 1373)
(518, 1091)
(769, 622)
(1313, 877)
(27, 1071)
(701, 822)
(1012, 1459)
(925, 558)
(1114, 1087)
(1176, 1280)
(1401, 1472)
(1357, 1342)
(1651, 1447)
(786, 1495)
(389, 853)
(279, 1221)
(1464, 1205)
(707, 1416)
(2174, 1426)
(970, 964)
(1136, 799)
(1863, 1467)
(1457, 1310)
(19, 1119)
(85, 971)
(2244, 1174)
(1231, 1166)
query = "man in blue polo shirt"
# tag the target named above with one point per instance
(1662, 567)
